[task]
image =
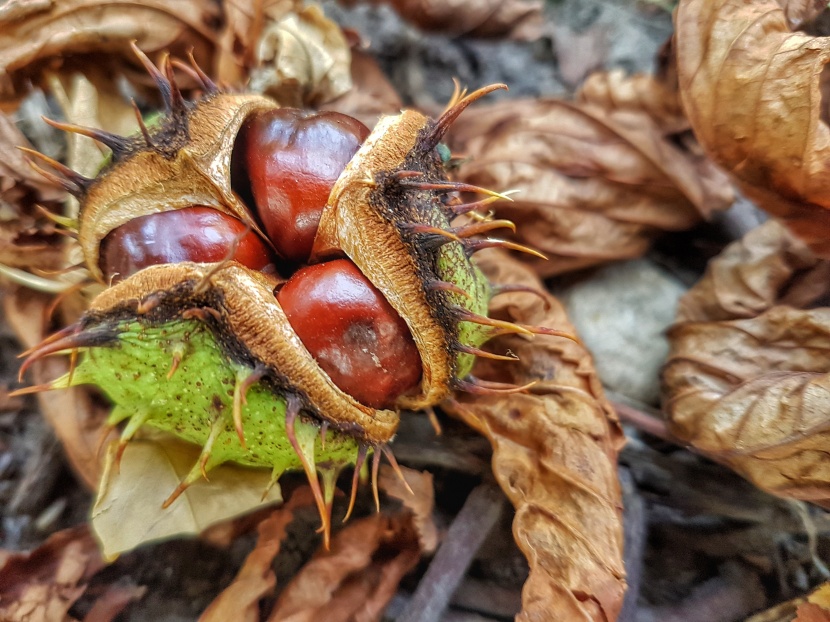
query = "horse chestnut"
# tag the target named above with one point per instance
(352, 331)
(198, 234)
(285, 164)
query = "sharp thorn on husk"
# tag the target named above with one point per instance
(424, 229)
(472, 246)
(292, 411)
(177, 102)
(507, 288)
(358, 465)
(465, 315)
(396, 467)
(433, 420)
(456, 107)
(69, 341)
(68, 223)
(446, 286)
(551, 332)
(205, 281)
(119, 145)
(38, 388)
(329, 476)
(375, 469)
(208, 84)
(276, 473)
(240, 392)
(484, 353)
(478, 228)
(142, 126)
(451, 186)
(162, 84)
(136, 421)
(477, 386)
(470, 208)
(177, 351)
(71, 181)
(216, 428)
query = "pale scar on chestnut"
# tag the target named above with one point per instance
(219, 256)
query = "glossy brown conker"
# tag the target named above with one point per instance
(199, 234)
(355, 335)
(285, 163)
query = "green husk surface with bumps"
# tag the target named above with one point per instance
(198, 397)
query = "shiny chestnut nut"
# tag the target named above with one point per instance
(351, 330)
(199, 234)
(285, 163)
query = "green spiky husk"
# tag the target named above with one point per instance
(133, 371)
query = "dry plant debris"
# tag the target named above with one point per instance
(746, 379)
(597, 178)
(754, 93)
(601, 176)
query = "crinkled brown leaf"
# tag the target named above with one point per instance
(518, 19)
(128, 511)
(554, 455)
(75, 417)
(27, 239)
(746, 381)
(355, 580)
(35, 34)
(293, 53)
(42, 585)
(597, 181)
(418, 498)
(754, 93)
(255, 579)
(768, 266)
(371, 95)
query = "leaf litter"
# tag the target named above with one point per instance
(601, 175)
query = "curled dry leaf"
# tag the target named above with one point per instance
(554, 455)
(517, 19)
(42, 585)
(129, 512)
(35, 34)
(746, 381)
(357, 578)
(754, 93)
(420, 501)
(256, 579)
(290, 52)
(768, 266)
(27, 239)
(597, 178)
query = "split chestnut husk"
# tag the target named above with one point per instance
(223, 351)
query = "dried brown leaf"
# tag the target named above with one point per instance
(420, 501)
(290, 52)
(517, 19)
(27, 239)
(598, 178)
(255, 579)
(42, 585)
(371, 95)
(754, 93)
(35, 34)
(355, 580)
(128, 511)
(554, 455)
(746, 379)
(73, 414)
(769, 266)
